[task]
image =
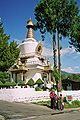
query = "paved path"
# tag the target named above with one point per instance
(20, 110)
(28, 111)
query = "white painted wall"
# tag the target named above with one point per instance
(30, 95)
(75, 94)
(23, 95)
(35, 74)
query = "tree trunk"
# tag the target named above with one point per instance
(59, 65)
(54, 50)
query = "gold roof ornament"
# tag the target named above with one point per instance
(30, 29)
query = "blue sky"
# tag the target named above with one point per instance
(15, 13)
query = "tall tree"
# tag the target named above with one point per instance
(75, 33)
(55, 16)
(8, 51)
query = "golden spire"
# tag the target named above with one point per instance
(30, 29)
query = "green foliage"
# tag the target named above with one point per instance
(74, 77)
(76, 103)
(7, 84)
(56, 75)
(1, 84)
(38, 89)
(44, 103)
(8, 51)
(39, 82)
(4, 76)
(73, 104)
(30, 82)
(14, 52)
(75, 33)
(13, 84)
(21, 83)
(63, 76)
(58, 16)
(55, 14)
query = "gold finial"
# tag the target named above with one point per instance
(30, 29)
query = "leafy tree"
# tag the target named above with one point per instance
(14, 52)
(74, 77)
(4, 76)
(8, 51)
(56, 75)
(75, 33)
(55, 16)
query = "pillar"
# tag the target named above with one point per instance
(21, 76)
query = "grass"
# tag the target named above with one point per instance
(73, 104)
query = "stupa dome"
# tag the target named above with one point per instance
(28, 47)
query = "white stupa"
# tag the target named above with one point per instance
(31, 63)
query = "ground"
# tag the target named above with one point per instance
(28, 111)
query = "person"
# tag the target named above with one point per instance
(52, 98)
(55, 101)
(61, 102)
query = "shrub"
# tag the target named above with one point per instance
(7, 84)
(76, 103)
(30, 82)
(21, 83)
(38, 89)
(39, 82)
(1, 84)
(13, 84)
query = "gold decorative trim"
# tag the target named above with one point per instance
(39, 48)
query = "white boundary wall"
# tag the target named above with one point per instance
(75, 94)
(30, 95)
(23, 95)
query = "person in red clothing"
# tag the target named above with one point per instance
(52, 99)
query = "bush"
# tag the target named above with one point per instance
(1, 84)
(7, 84)
(21, 83)
(39, 82)
(13, 84)
(73, 104)
(38, 89)
(76, 103)
(30, 82)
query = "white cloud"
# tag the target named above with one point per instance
(74, 69)
(67, 51)
(47, 52)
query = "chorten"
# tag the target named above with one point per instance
(31, 63)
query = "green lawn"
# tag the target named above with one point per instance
(74, 104)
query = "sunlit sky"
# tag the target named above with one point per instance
(14, 15)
